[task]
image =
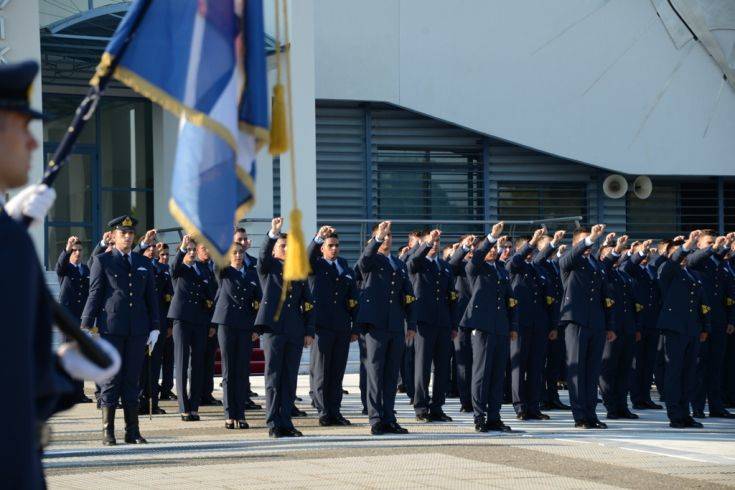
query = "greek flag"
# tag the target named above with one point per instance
(203, 60)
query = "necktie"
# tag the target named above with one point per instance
(196, 269)
(81, 270)
(126, 259)
(334, 268)
(392, 264)
(689, 275)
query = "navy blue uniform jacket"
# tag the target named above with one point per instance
(193, 299)
(684, 309)
(335, 295)
(433, 288)
(238, 299)
(74, 285)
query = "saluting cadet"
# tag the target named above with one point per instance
(546, 263)
(639, 266)
(729, 389)
(167, 351)
(285, 333)
(123, 302)
(73, 277)
(617, 356)
(706, 262)
(361, 345)
(492, 317)
(28, 367)
(583, 311)
(237, 303)
(149, 387)
(385, 307)
(333, 288)
(685, 324)
(190, 311)
(207, 267)
(433, 288)
(463, 341)
(407, 372)
(528, 350)
(250, 264)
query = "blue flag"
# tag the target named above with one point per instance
(203, 60)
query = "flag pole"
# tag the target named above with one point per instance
(63, 320)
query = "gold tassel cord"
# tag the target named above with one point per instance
(279, 133)
(296, 267)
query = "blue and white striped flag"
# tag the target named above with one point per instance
(203, 60)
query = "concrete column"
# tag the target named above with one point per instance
(301, 16)
(23, 42)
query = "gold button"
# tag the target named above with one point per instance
(131, 304)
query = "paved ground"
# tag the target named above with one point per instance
(643, 453)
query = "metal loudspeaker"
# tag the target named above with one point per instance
(615, 186)
(642, 187)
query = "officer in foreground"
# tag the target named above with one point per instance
(28, 367)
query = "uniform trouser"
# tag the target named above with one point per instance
(210, 356)
(584, 357)
(463, 353)
(431, 345)
(527, 355)
(189, 341)
(680, 354)
(363, 370)
(555, 350)
(384, 351)
(167, 364)
(615, 372)
(125, 383)
(644, 363)
(329, 354)
(710, 366)
(149, 388)
(489, 360)
(729, 384)
(659, 371)
(408, 368)
(237, 345)
(282, 358)
(452, 387)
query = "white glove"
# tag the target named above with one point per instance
(79, 367)
(34, 201)
(152, 339)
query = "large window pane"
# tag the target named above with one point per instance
(125, 145)
(57, 237)
(73, 187)
(518, 201)
(136, 203)
(60, 111)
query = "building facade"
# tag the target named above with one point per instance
(423, 112)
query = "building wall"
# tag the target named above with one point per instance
(592, 81)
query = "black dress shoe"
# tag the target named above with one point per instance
(722, 414)
(678, 424)
(654, 406)
(345, 392)
(377, 429)
(276, 433)
(480, 424)
(293, 433)
(167, 396)
(326, 421)
(627, 414)
(188, 418)
(401, 388)
(195, 417)
(229, 425)
(453, 394)
(295, 412)
(698, 414)
(134, 437)
(522, 415)
(84, 399)
(613, 415)
(690, 422)
(340, 420)
(558, 405)
(394, 428)
(250, 405)
(537, 416)
(545, 406)
(210, 401)
(496, 426)
(640, 406)
(466, 410)
(251, 393)
(596, 424)
(241, 424)
(581, 424)
(424, 418)
(158, 410)
(298, 399)
(364, 411)
(440, 417)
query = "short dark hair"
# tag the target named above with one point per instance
(282, 236)
(240, 229)
(331, 235)
(709, 232)
(164, 245)
(578, 232)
